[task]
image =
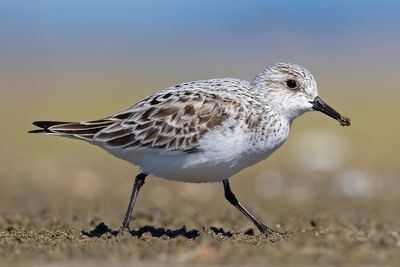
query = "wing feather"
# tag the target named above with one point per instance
(173, 121)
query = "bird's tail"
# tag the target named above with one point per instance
(82, 130)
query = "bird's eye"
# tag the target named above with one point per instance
(292, 84)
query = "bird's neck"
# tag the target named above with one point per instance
(270, 130)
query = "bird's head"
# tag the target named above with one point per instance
(292, 90)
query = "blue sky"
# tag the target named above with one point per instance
(153, 19)
(76, 36)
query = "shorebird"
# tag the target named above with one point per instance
(204, 131)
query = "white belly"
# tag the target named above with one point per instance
(193, 168)
(221, 157)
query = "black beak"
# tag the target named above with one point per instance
(320, 105)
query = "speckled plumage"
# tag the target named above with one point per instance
(204, 131)
(173, 133)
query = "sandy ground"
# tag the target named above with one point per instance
(62, 203)
(192, 225)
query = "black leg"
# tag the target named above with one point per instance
(230, 196)
(139, 182)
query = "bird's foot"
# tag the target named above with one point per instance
(274, 235)
(123, 229)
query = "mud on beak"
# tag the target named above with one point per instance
(320, 105)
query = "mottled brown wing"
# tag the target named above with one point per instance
(173, 121)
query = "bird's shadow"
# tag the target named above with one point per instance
(102, 229)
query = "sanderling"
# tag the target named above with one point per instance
(204, 131)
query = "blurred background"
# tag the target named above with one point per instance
(81, 60)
